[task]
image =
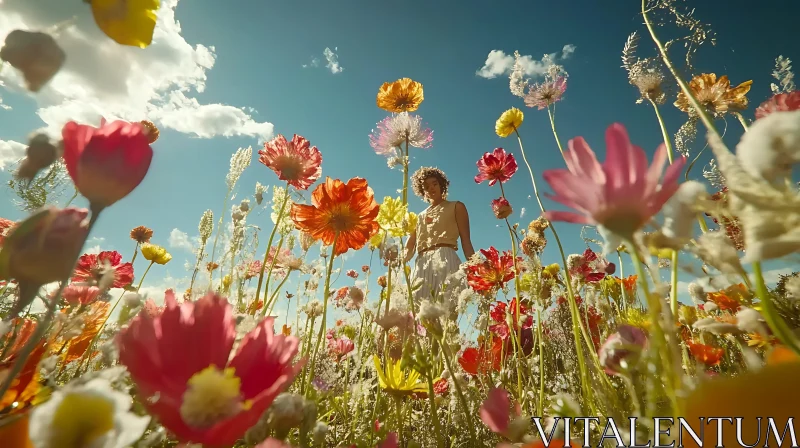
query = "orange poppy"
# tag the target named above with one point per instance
(77, 346)
(342, 212)
(25, 386)
(706, 354)
(403, 95)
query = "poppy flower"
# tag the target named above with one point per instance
(782, 102)
(108, 162)
(89, 264)
(496, 166)
(296, 161)
(182, 355)
(342, 212)
(493, 273)
(127, 22)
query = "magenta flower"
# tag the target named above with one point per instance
(544, 94)
(496, 166)
(620, 195)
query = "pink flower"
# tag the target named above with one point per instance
(623, 346)
(108, 162)
(339, 348)
(395, 130)
(544, 94)
(496, 166)
(352, 273)
(391, 441)
(80, 294)
(90, 264)
(501, 208)
(782, 102)
(296, 162)
(182, 356)
(43, 248)
(622, 194)
(496, 411)
(5, 226)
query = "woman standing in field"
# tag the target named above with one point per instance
(439, 229)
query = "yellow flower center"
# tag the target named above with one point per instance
(81, 419)
(213, 395)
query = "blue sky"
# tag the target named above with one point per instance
(254, 68)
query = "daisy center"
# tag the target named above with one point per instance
(82, 419)
(213, 395)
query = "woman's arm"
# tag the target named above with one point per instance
(411, 246)
(462, 219)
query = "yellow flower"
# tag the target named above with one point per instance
(715, 95)
(391, 213)
(397, 383)
(410, 223)
(127, 22)
(226, 281)
(376, 241)
(155, 253)
(403, 95)
(552, 269)
(508, 122)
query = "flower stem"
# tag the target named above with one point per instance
(459, 392)
(552, 114)
(540, 408)
(664, 133)
(219, 229)
(405, 174)
(43, 325)
(326, 294)
(743, 122)
(273, 297)
(577, 327)
(269, 246)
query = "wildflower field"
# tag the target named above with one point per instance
(550, 340)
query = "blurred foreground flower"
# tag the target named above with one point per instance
(782, 102)
(620, 195)
(344, 212)
(90, 414)
(43, 249)
(182, 356)
(127, 22)
(296, 162)
(403, 95)
(509, 122)
(35, 54)
(108, 162)
(749, 396)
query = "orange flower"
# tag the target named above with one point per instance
(715, 95)
(723, 301)
(765, 392)
(14, 432)
(25, 386)
(629, 282)
(286, 330)
(780, 354)
(342, 212)
(706, 354)
(77, 346)
(403, 95)
(141, 234)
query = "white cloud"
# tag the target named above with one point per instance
(101, 78)
(331, 58)
(180, 240)
(498, 63)
(94, 245)
(10, 153)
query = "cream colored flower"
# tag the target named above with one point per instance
(716, 249)
(771, 146)
(91, 414)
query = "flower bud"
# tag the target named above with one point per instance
(106, 163)
(622, 349)
(35, 54)
(43, 248)
(501, 207)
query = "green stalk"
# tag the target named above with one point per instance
(269, 246)
(551, 114)
(326, 295)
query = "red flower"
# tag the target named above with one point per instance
(482, 359)
(782, 102)
(592, 269)
(339, 348)
(108, 162)
(89, 265)
(183, 357)
(493, 273)
(706, 354)
(441, 387)
(496, 166)
(5, 227)
(498, 314)
(296, 162)
(501, 208)
(352, 273)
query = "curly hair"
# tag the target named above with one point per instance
(425, 172)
